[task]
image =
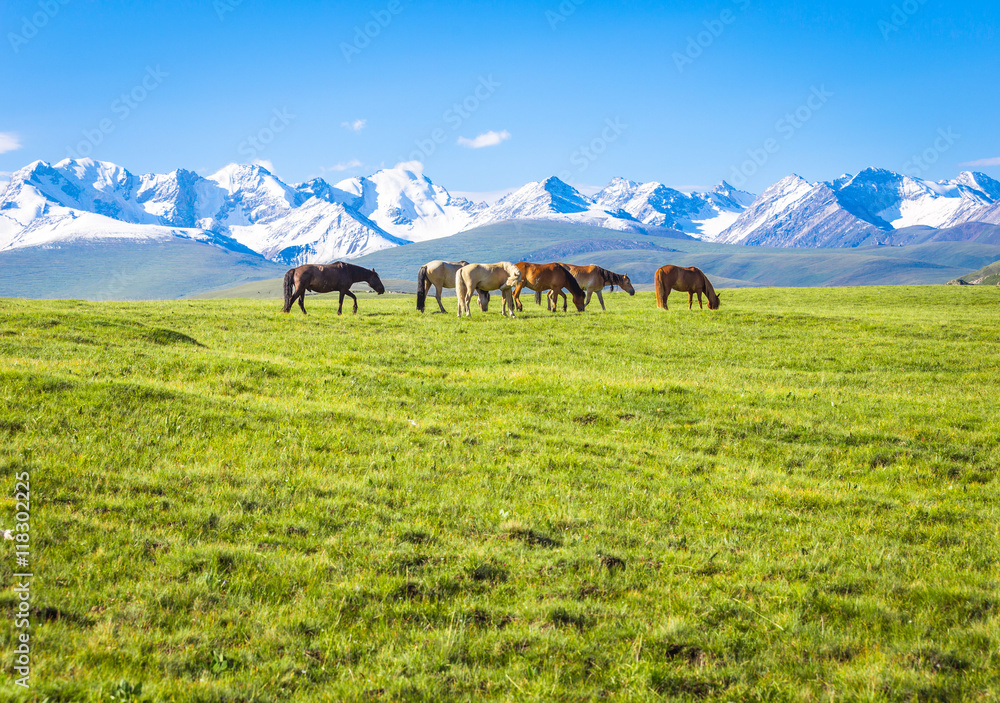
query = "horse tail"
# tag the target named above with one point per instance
(289, 288)
(460, 289)
(661, 288)
(538, 297)
(421, 288)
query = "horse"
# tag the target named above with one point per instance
(592, 279)
(688, 280)
(440, 274)
(484, 278)
(323, 278)
(554, 277)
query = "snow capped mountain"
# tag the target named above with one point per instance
(248, 209)
(405, 203)
(244, 208)
(702, 215)
(862, 209)
(553, 199)
(794, 212)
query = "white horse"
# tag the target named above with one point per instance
(484, 278)
(440, 274)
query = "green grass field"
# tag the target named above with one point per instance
(793, 498)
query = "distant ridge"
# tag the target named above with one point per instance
(247, 209)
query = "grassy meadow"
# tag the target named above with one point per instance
(793, 498)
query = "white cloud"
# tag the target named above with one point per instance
(265, 163)
(982, 163)
(415, 166)
(353, 163)
(9, 142)
(355, 126)
(490, 138)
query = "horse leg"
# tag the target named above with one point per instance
(438, 296)
(691, 299)
(508, 300)
(340, 308)
(601, 299)
(354, 297)
(516, 296)
(700, 306)
(301, 293)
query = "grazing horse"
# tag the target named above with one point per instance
(441, 275)
(688, 280)
(542, 277)
(323, 278)
(484, 278)
(592, 279)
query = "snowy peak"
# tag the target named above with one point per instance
(980, 183)
(407, 204)
(701, 215)
(861, 209)
(240, 207)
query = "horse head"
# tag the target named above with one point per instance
(626, 284)
(376, 283)
(713, 300)
(484, 300)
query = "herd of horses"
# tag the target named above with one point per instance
(555, 279)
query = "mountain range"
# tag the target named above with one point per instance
(246, 209)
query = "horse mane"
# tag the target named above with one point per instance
(709, 288)
(572, 283)
(611, 278)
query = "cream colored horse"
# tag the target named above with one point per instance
(484, 278)
(441, 275)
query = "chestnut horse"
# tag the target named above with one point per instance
(542, 277)
(483, 278)
(688, 280)
(323, 278)
(441, 275)
(592, 279)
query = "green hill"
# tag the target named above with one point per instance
(729, 266)
(163, 270)
(127, 270)
(986, 276)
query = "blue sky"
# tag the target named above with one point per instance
(491, 96)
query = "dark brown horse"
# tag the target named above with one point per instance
(592, 279)
(688, 280)
(324, 278)
(554, 277)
